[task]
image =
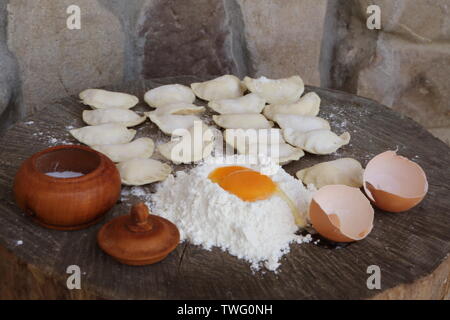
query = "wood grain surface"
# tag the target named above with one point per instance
(408, 247)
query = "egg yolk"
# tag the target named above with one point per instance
(219, 173)
(250, 185)
(247, 184)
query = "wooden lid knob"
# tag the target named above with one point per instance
(138, 238)
(140, 219)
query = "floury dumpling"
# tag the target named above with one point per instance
(137, 172)
(277, 91)
(308, 105)
(101, 99)
(168, 123)
(194, 145)
(271, 136)
(319, 141)
(301, 123)
(125, 117)
(169, 94)
(266, 142)
(345, 171)
(250, 103)
(140, 148)
(110, 133)
(224, 87)
(179, 108)
(242, 121)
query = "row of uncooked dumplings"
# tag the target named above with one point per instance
(225, 95)
(111, 116)
(108, 132)
(109, 121)
(295, 115)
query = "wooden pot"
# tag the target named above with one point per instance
(67, 203)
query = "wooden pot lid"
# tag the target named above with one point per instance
(138, 238)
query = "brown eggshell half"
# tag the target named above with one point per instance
(341, 213)
(394, 183)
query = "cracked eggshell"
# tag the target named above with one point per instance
(101, 99)
(394, 183)
(341, 213)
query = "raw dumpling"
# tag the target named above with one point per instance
(169, 94)
(250, 103)
(280, 91)
(168, 123)
(301, 123)
(137, 172)
(179, 108)
(346, 171)
(320, 141)
(139, 148)
(125, 117)
(194, 146)
(242, 121)
(224, 87)
(281, 153)
(100, 99)
(268, 142)
(109, 133)
(308, 105)
(249, 136)
(288, 153)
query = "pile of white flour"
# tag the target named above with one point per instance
(259, 232)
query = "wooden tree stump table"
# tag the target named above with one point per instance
(411, 249)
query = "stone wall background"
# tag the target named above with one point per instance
(405, 66)
(11, 106)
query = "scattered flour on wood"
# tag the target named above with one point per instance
(259, 232)
(48, 139)
(138, 192)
